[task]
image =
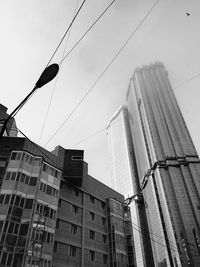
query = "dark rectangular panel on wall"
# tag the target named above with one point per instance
(73, 166)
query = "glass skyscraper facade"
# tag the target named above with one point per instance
(123, 177)
(168, 168)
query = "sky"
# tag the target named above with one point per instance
(30, 32)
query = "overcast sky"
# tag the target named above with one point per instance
(30, 31)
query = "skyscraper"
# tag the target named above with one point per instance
(123, 177)
(168, 168)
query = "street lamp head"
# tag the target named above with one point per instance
(47, 75)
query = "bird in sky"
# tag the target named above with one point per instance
(188, 14)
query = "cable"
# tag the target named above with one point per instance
(56, 81)
(87, 31)
(187, 81)
(108, 66)
(37, 146)
(64, 57)
(69, 27)
(66, 32)
(155, 241)
(90, 136)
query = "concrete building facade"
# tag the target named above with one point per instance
(54, 214)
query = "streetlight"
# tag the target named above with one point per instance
(47, 75)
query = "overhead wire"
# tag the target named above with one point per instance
(187, 81)
(69, 52)
(70, 25)
(105, 10)
(56, 80)
(104, 71)
(52, 56)
(90, 136)
(148, 236)
(174, 88)
(34, 144)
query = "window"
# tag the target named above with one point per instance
(8, 175)
(18, 176)
(92, 255)
(33, 181)
(74, 229)
(1, 199)
(28, 203)
(18, 156)
(26, 179)
(13, 175)
(105, 258)
(103, 220)
(22, 178)
(92, 199)
(75, 209)
(1, 226)
(92, 234)
(77, 158)
(59, 203)
(56, 173)
(57, 224)
(49, 190)
(24, 229)
(72, 251)
(76, 192)
(13, 156)
(55, 248)
(7, 198)
(44, 168)
(61, 185)
(49, 238)
(92, 216)
(44, 188)
(17, 200)
(104, 238)
(22, 202)
(37, 162)
(103, 204)
(41, 186)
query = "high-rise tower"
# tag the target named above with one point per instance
(168, 168)
(123, 173)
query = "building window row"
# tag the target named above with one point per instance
(6, 259)
(50, 170)
(21, 177)
(26, 158)
(49, 190)
(46, 211)
(92, 236)
(73, 253)
(16, 200)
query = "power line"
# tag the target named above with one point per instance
(90, 136)
(56, 81)
(187, 81)
(87, 31)
(153, 240)
(70, 25)
(34, 144)
(104, 71)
